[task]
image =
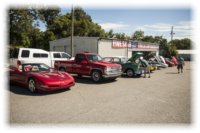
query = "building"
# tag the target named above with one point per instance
(103, 46)
(188, 55)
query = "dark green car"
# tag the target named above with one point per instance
(131, 67)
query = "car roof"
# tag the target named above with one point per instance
(32, 63)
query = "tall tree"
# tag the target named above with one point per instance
(20, 21)
(138, 35)
(48, 15)
(182, 43)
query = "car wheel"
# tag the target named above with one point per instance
(130, 73)
(32, 85)
(96, 76)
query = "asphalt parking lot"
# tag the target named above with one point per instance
(163, 98)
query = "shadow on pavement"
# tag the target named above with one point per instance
(88, 80)
(172, 73)
(24, 91)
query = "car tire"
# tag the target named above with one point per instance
(130, 73)
(32, 85)
(96, 76)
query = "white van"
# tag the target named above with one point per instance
(29, 55)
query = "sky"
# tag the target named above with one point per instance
(155, 22)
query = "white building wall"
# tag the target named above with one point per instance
(105, 49)
(60, 45)
(81, 44)
(94, 45)
(85, 44)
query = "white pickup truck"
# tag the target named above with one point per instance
(31, 55)
(58, 56)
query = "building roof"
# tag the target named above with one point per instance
(186, 51)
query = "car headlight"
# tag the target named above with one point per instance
(107, 70)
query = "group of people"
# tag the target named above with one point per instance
(146, 65)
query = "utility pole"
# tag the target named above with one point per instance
(172, 33)
(72, 32)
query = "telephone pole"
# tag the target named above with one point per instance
(72, 32)
(172, 33)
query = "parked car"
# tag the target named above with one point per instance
(40, 77)
(116, 59)
(134, 66)
(169, 62)
(154, 63)
(174, 60)
(90, 64)
(131, 68)
(158, 60)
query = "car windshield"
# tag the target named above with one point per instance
(94, 58)
(36, 68)
(124, 59)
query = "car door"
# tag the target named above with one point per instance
(81, 65)
(17, 75)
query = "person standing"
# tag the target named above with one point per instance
(146, 67)
(180, 64)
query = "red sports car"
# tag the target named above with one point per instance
(174, 60)
(40, 77)
(169, 62)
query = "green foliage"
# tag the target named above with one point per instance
(20, 26)
(138, 35)
(24, 22)
(182, 43)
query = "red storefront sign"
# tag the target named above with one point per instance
(120, 44)
(139, 45)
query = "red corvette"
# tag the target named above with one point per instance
(40, 77)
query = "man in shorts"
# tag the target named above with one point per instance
(180, 64)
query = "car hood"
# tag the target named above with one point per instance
(135, 56)
(106, 63)
(51, 76)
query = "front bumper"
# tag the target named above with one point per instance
(107, 76)
(55, 87)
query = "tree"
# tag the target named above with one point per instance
(182, 43)
(110, 34)
(36, 37)
(148, 39)
(138, 35)
(20, 21)
(48, 15)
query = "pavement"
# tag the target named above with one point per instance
(165, 98)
